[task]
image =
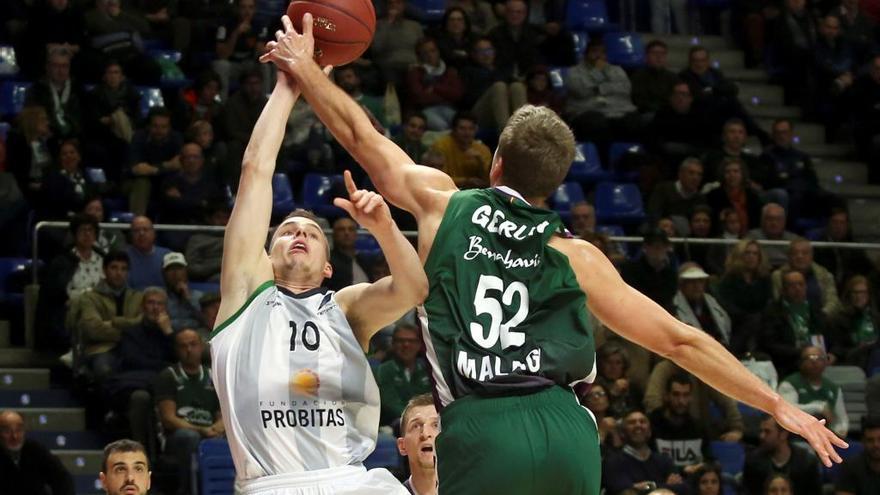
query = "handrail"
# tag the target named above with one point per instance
(412, 234)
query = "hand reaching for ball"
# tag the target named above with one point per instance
(366, 207)
(291, 48)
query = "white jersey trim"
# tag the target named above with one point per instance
(444, 393)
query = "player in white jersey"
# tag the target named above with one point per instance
(300, 405)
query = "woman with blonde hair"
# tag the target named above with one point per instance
(744, 291)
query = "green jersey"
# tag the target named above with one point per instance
(505, 313)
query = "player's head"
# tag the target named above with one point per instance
(300, 249)
(419, 427)
(11, 431)
(534, 152)
(126, 469)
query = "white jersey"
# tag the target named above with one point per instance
(295, 388)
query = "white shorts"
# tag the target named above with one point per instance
(344, 480)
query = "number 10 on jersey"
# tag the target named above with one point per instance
(310, 337)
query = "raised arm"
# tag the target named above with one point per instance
(635, 317)
(407, 185)
(370, 307)
(245, 263)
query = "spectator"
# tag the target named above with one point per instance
(865, 110)
(490, 93)
(677, 131)
(419, 427)
(636, 467)
(595, 398)
(652, 84)
(821, 289)
(700, 227)
(773, 228)
(733, 145)
(433, 87)
(241, 39)
(735, 192)
(143, 351)
(202, 102)
(111, 113)
(410, 138)
(653, 273)
(677, 199)
(183, 302)
(855, 325)
(240, 117)
(404, 376)
(707, 480)
(540, 92)
(815, 394)
(210, 305)
(347, 78)
(115, 34)
(155, 153)
(790, 323)
(13, 214)
(793, 170)
(859, 474)
(743, 292)
(775, 455)
(187, 193)
(145, 256)
(858, 29)
(394, 43)
(105, 312)
(187, 403)
(465, 159)
(516, 40)
(454, 37)
(791, 50)
(727, 428)
(701, 77)
(833, 69)
(778, 484)
(53, 26)
(125, 465)
(348, 267)
(599, 104)
(215, 153)
(27, 466)
(729, 229)
(204, 250)
(66, 188)
(58, 95)
(583, 218)
(108, 240)
(30, 148)
(613, 367)
(842, 263)
(676, 433)
(479, 12)
(664, 12)
(699, 309)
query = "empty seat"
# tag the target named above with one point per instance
(366, 245)
(205, 287)
(852, 381)
(586, 15)
(610, 230)
(282, 195)
(619, 203)
(150, 97)
(4, 130)
(386, 454)
(11, 268)
(428, 10)
(557, 77)
(96, 175)
(567, 194)
(730, 455)
(216, 469)
(581, 38)
(318, 192)
(625, 49)
(586, 166)
(8, 61)
(620, 151)
(12, 96)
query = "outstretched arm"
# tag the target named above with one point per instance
(405, 184)
(245, 262)
(632, 315)
(370, 307)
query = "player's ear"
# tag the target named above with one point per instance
(328, 269)
(401, 447)
(495, 172)
(103, 478)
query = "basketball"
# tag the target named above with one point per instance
(343, 29)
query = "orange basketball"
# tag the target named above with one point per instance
(343, 29)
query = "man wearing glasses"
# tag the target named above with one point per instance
(404, 376)
(815, 394)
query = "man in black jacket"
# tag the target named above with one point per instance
(26, 467)
(776, 455)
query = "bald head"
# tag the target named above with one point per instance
(773, 220)
(143, 236)
(11, 431)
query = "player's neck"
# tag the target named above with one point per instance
(424, 481)
(295, 287)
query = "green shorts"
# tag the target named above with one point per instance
(542, 443)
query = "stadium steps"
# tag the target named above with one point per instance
(853, 191)
(81, 462)
(723, 59)
(20, 357)
(753, 94)
(827, 151)
(4, 334)
(747, 75)
(685, 42)
(24, 379)
(804, 132)
(53, 418)
(774, 111)
(863, 214)
(837, 172)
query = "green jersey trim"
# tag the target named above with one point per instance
(265, 285)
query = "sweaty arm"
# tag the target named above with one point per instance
(635, 317)
(370, 307)
(245, 263)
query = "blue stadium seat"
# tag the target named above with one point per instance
(8, 61)
(37, 398)
(587, 15)
(625, 49)
(170, 55)
(282, 195)
(619, 203)
(730, 455)
(9, 267)
(366, 245)
(12, 94)
(567, 194)
(427, 10)
(580, 43)
(205, 287)
(216, 470)
(86, 483)
(120, 217)
(318, 191)
(855, 448)
(96, 175)
(586, 166)
(610, 230)
(4, 130)
(150, 97)
(557, 77)
(386, 454)
(616, 152)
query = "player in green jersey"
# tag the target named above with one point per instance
(505, 322)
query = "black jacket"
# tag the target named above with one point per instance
(37, 470)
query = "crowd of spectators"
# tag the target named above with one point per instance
(84, 149)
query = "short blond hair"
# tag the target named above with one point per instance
(417, 401)
(536, 148)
